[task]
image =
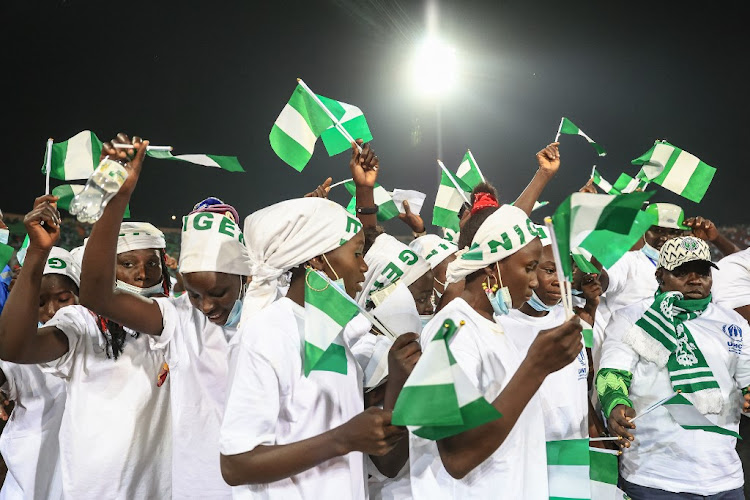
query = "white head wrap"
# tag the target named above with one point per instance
(543, 234)
(77, 254)
(60, 261)
(212, 242)
(139, 236)
(287, 234)
(433, 248)
(504, 233)
(389, 260)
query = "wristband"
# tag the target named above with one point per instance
(367, 210)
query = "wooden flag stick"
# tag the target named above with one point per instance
(561, 278)
(454, 182)
(336, 123)
(340, 183)
(557, 137)
(48, 164)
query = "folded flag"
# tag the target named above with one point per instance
(468, 173)
(75, 158)
(6, 252)
(327, 311)
(228, 163)
(438, 400)
(303, 120)
(387, 208)
(676, 170)
(569, 128)
(66, 193)
(585, 222)
(688, 417)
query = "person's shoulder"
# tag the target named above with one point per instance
(269, 330)
(458, 311)
(741, 258)
(635, 310)
(730, 317)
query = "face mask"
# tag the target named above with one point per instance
(575, 292)
(501, 301)
(39, 324)
(339, 282)
(144, 292)
(4, 235)
(425, 318)
(537, 304)
(234, 315)
(651, 252)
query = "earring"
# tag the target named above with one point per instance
(307, 281)
(487, 288)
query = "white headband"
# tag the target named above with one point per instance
(212, 242)
(139, 236)
(60, 261)
(433, 248)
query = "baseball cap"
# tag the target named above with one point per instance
(683, 249)
(667, 215)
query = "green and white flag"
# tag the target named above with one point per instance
(468, 173)
(568, 469)
(688, 417)
(438, 400)
(448, 202)
(603, 471)
(676, 170)
(66, 193)
(21, 255)
(75, 158)
(602, 183)
(539, 204)
(6, 252)
(387, 208)
(569, 128)
(351, 119)
(585, 223)
(228, 163)
(327, 311)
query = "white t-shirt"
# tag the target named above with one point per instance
(564, 393)
(197, 352)
(518, 468)
(631, 280)
(116, 432)
(271, 402)
(731, 288)
(664, 455)
(29, 442)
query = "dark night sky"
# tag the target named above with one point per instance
(211, 77)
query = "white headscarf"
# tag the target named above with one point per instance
(504, 233)
(139, 236)
(389, 260)
(433, 248)
(60, 261)
(212, 242)
(287, 234)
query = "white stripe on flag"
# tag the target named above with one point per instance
(350, 112)
(688, 415)
(587, 218)
(682, 170)
(433, 369)
(380, 195)
(199, 159)
(78, 160)
(294, 125)
(658, 161)
(568, 481)
(465, 391)
(449, 198)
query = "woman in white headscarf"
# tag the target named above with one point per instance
(287, 435)
(500, 274)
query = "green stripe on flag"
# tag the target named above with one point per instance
(568, 452)
(387, 208)
(288, 149)
(332, 359)
(317, 119)
(474, 414)
(228, 163)
(603, 467)
(75, 158)
(438, 406)
(588, 337)
(445, 218)
(6, 252)
(66, 193)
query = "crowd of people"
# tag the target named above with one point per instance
(150, 377)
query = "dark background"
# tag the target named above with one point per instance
(212, 76)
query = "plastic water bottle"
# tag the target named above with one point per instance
(107, 179)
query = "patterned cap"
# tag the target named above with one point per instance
(683, 249)
(667, 215)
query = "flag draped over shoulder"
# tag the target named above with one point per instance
(438, 399)
(75, 158)
(676, 170)
(387, 208)
(569, 128)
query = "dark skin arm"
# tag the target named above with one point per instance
(619, 424)
(20, 339)
(549, 163)
(414, 221)
(100, 258)
(321, 191)
(707, 231)
(364, 167)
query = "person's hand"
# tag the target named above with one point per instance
(131, 158)
(557, 347)
(591, 288)
(402, 357)
(364, 165)
(619, 423)
(370, 432)
(43, 223)
(170, 261)
(549, 159)
(414, 221)
(702, 228)
(321, 191)
(6, 407)
(589, 187)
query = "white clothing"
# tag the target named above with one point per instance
(518, 468)
(564, 393)
(115, 437)
(271, 402)
(29, 442)
(631, 280)
(197, 353)
(664, 455)
(388, 488)
(731, 287)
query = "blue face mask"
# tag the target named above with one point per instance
(425, 318)
(575, 292)
(651, 252)
(234, 315)
(39, 324)
(501, 301)
(4, 235)
(537, 304)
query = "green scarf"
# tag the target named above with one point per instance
(662, 337)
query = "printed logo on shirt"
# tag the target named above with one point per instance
(734, 333)
(583, 370)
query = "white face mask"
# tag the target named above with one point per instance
(339, 282)
(651, 252)
(144, 292)
(4, 236)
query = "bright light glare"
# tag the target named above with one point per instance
(434, 68)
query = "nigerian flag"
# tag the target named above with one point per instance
(66, 193)
(468, 173)
(688, 417)
(569, 128)
(75, 158)
(438, 400)
(602, 183)
(568, 469)
(585, 224)
(21, 255)
(676, 170)
(387, 208)
(539, 204)
(303, 120)
(6, 252)
(603, 471)
(327, 311)
(448, 202)
(228, 163)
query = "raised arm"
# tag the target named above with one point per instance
(706, 230)
(549, 162)
(364, 167)
(100, 258)
(20, 339)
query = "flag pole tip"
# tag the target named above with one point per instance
(299, 79)
(50, 139)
